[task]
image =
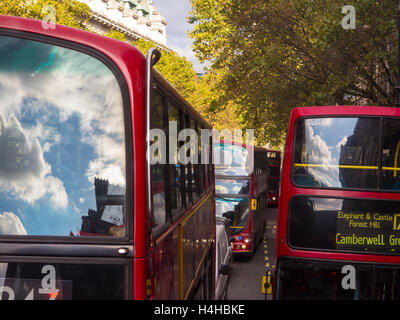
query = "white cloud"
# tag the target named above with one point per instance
(74, 87)
(341, 142)
(318, 153)
(24, 172)
(10, 224)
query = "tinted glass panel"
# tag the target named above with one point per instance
(236, 210)
(231, 159)
(189, 186)
(273, 185)
(158, 168)
(391, 155)
(62, 142)
(345, 224)
(274, 171)
(39, 281)
(322, 280)
(176, 171)
(337, 152)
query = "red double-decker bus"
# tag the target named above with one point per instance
(84, 214)
(274, 176)
(241, 192)
(338, 233)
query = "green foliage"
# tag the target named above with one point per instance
(277, 54)
(70, 13)
(115, 35)
(200, 92)
(177, 70)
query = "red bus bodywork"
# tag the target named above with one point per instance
(289, 190)
(152, 260)
(247, 240)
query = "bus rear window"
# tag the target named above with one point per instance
(236, 210)
(62, 141)
(232, 160)
(348, 153)
(337, 153)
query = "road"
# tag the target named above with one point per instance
(245, 279)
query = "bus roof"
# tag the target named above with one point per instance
(344, 111)
(108, 46)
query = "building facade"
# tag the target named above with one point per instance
(134, 18)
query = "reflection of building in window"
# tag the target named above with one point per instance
(108, 218)
(391, 155)
(361, 153)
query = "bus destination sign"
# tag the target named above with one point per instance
(368, 231)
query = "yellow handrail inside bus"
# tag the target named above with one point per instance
(395, 158)
(341, 166)
(345, 166)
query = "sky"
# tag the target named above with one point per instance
(175, 12)
(53, 148)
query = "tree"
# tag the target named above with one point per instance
(200, 92)
(278, 54)
(70, 13)
(176, 69)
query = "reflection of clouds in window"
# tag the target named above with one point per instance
(110, 162)
(321, 122)
(317, 152)
(77, 85)
(341, 142)
(24, 172)
(61, 126)
(223, 206)
(221, 189)
(236, 189)
(231, 159)
(10, 224)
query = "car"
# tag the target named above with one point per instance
(224, 259)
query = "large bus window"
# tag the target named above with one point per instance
(391, 155)
(176, 172)
(236, 210)
(158, 169)
(188, 167)
(62, 141)
(337, 153)
(199, 168)
(231, 159)
(62, 281)
(194, 161)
